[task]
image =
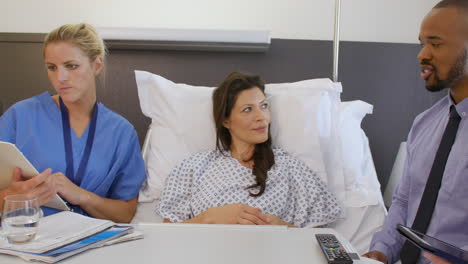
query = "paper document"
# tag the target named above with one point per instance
(66, 234)
(10, 158)
(135, 235)
(60, 229)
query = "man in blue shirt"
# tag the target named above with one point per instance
(443, 57)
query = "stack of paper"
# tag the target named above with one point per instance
(65, 234)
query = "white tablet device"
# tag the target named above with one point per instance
(10, 158)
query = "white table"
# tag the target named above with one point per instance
(183, 243)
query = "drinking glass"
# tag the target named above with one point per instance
(20, 218)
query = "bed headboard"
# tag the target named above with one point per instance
(383, 74)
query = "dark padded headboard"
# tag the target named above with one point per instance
(383, 74)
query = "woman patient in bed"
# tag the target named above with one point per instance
(245, 180)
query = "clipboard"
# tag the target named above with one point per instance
(10, 158)
(434, 246)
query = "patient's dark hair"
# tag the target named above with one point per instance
(224, 98)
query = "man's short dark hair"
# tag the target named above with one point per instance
(459, 4)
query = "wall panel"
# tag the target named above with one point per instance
(385, 75)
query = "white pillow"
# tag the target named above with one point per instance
(181, 125)
(303, 119)
(302, 113)
(361, 183)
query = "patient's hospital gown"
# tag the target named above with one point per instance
(115, 169)
(293, 191)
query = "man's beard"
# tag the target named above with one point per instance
(455, 74)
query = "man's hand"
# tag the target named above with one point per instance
(435, 259)
(377, 255)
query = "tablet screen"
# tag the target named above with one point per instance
(434, 245)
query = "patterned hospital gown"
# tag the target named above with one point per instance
(293, 191)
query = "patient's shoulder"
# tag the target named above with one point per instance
(199, 158)
(279, 151)
(194, 164)
(205, 155)
(280, 154)
(282, 157)
(294, 166)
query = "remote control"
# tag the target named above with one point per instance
(333, 250)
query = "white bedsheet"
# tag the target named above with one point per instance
(358, 227)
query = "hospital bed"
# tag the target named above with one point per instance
(325, 133)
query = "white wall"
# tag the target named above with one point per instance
(362, 20)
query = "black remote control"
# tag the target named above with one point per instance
(332, 249)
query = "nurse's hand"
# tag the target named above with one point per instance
(68, 190)
(233, 214)
(38, 187)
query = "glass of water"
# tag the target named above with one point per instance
(20, 218)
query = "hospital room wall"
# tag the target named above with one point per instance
(362, 20)
(383, 74)
(380, 69)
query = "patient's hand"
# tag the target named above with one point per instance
(377, 255)
(274, 220)
(234, 214)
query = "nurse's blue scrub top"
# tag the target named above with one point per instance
(115, 169)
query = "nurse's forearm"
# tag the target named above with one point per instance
(96, 206)
(104, 208)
